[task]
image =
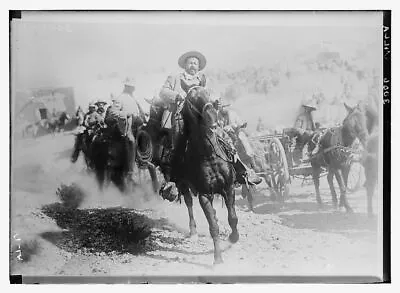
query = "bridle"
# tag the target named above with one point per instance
(192, 107)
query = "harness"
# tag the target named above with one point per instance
(337, 144)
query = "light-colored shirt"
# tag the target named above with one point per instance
(172, 86)
(128, 104)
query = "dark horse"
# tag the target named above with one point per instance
(205, 167)
(108, 157)
(331, 149)
(361, 122)
(55, 124)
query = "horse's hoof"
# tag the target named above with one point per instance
(234, 237)
(349, 210)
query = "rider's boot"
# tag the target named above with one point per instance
(244, 174)
(168, 188)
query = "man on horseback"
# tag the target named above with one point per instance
(90, 121)
(101, 108)
(172, 97)
(124, 116)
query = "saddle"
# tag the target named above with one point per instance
(226, 148)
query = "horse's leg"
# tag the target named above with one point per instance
(271, 190)
(315, 174)
(100, 176)
(329, 177)
(206, 205)
(154, 179)
(342, 187)
(187, 195)
(229, 197)
(118, 178)
(247, 192)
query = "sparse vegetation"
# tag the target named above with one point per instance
(99, 230)
(71, 196)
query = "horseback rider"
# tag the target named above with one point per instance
(92, 117)
(101, 108)
(124, 116)
(172, 96)
(90, 121)
(231, 123)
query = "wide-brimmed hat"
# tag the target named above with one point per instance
(196, 54)
(100, 102)
(310, 104)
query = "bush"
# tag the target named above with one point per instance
(70, 195)
(99, 230)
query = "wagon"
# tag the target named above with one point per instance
(286, 161)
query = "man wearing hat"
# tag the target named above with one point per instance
(101, 108)
(305, 120)
(125, 115)
(171, 94)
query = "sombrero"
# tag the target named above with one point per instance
(198, 55)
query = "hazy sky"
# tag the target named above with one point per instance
(54, 48)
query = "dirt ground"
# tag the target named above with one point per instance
(294, 238)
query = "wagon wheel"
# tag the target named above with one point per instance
(279, 171)
(353, 176)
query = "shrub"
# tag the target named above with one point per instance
(70, 195)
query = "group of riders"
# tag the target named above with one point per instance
(125, 115)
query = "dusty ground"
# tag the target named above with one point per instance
(294, 238)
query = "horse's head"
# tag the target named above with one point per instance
(355, 124)
(198, 103)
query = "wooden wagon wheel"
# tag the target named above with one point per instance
(279, 171)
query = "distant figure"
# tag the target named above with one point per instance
(260, 125)
(125, 115)
(304, 120)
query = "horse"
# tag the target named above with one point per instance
(56, 123)
(205, 167)
(154, 143)
(331, 149)
(83, 140)
(361, 122)
(108, 157)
